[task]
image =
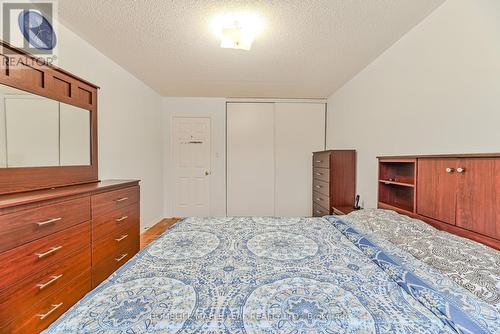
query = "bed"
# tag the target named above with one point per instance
(347, 274)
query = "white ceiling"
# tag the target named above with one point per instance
(308, 48)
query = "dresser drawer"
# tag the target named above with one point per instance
(321, 187)
(116, 243)
(28, 259)
(321, 159)
(322, 174)
(34, 289)
(22, 227)
(115, 221)
(319, 211)
(40, 316)
(321, 199)
(113, 261)
(112, 200)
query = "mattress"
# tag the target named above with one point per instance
(277, 275)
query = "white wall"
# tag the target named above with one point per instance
(130, 129)
(437, 90)
(215, 108)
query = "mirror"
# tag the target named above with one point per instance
(39, 132)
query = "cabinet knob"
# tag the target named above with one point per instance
(450, 170)
(460, 170)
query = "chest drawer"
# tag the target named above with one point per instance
(24, 260)
(39, 317)
(321, 199)
(112, 200)
(115, 221)
(34, 289)
(322, 174)
(111, 260)
(116, 243)
(321, 159)
(319, 211)
(22, 227)
(321, 187)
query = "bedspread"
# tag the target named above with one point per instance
(272, 275)
(471, 265)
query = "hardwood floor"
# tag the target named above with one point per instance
(154, 231)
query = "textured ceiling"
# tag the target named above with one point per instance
(308, 49)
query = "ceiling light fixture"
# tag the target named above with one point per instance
(237, 30)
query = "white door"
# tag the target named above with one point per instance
(299, 131)
(191, 152)
(250, 159)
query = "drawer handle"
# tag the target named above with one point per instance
(122, 237)
(50, 221)
(319, 161)
(318, 211)
(319, 174)
(49, 252)
(319, 199)
(42, 286)
(121, 199)
(121, 219)
(54, 307)
(318, 186)
(118, 259)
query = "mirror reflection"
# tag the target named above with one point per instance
(37, 132)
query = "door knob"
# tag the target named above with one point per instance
(450, 170)
(460, 170)
(207, 173)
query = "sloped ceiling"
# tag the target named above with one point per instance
(308, 49)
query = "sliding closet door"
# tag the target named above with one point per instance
(250, 159)
(299, 131)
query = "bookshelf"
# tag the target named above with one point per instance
(396, 184)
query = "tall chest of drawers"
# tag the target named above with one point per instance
(57, 244)
(333, 182)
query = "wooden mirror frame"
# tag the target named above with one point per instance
(28, 73)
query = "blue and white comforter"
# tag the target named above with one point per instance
(274, 275)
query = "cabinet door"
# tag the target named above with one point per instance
(437, 189)
(478, 200)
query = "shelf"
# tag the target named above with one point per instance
(405, 210)
(403, 184)
(397, 196)
(396, 185)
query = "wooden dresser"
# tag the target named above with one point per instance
(458, 193)
(334, 182)
(57, 244)
(61, 231)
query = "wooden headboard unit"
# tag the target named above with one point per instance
(457, 193)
